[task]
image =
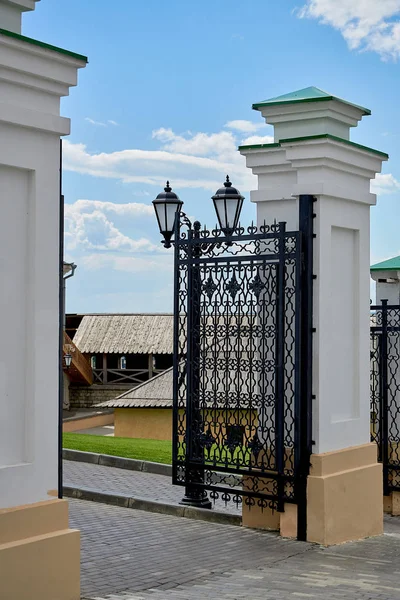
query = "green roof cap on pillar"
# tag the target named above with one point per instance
(309, 94)
(391, 264)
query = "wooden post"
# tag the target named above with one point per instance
(150, 366)
(104, 368)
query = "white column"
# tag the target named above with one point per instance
(387, 285)
(338, 173)
(33, 78)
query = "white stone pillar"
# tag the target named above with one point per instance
(34, 76)
(386, 274)
(312, 155)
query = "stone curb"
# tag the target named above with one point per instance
(188, 512)
(118, 462)
(88, 415)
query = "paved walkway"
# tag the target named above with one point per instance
(134, 555)
(105, 430)
(144, 486)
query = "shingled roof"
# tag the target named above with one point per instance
(158, 392)
(125, 334)
(154, 393)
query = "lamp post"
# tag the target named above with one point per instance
(168, 208)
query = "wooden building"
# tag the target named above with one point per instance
(123, 350)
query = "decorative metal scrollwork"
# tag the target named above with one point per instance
(236, 305)
(233, 286)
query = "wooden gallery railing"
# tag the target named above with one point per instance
(80, 370)
(131, 376)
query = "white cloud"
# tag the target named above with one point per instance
(100, 123)
(198, 160)
(129, 209)
(244, 126)
(130, 264)
(97, 123)
(258, 139)
(385, 184)
(140, 193)
(200, 144)
(365, 24)
(89, 225)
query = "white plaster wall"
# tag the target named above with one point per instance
(15, 236)
(341, 317)
(388, 291)
(29, 241)
(285, 210)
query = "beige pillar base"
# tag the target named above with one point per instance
(39, 554)
(271, 520)
(391, 504)
(258, 518)
(266, 518)
(344, 495)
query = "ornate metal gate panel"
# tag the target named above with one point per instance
(241, 396)
(385, 391)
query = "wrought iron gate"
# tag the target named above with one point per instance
(385, 391)
(242, 363)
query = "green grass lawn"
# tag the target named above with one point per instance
(151, 450)
(141, 449)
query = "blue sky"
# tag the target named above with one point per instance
(168, 92)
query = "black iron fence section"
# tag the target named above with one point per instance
(385, 390)
(242, 385)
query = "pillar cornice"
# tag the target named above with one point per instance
(317, 165)
(33, 78)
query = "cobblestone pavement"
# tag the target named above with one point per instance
(134, 555)
(135, 483)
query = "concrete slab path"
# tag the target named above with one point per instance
(145, 486)
(134, 555)
(105, 430)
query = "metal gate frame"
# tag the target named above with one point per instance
(385, 390)
(191, 443)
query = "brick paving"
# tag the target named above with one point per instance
(146, 486)
(134, 555)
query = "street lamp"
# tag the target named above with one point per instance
(167, 205)
(228, 203)
(67, 360)
(227, 200)
(168, 208)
